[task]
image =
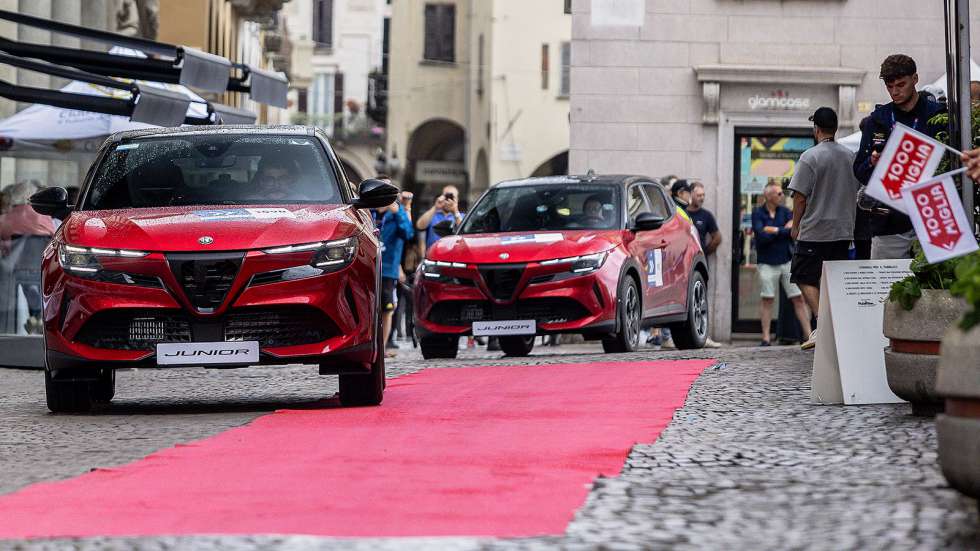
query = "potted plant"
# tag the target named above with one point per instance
(958, 431)
(919, 311)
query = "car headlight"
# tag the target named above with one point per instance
(327, 256)
(580, 264)
(84, 261)
(431, 269)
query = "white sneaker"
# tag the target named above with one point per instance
(810, 342)
(708, 343)
(669, 344)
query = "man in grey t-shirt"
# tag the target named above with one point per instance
(824, 204)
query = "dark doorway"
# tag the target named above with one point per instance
(762, 155)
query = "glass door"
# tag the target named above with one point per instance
(762, 156)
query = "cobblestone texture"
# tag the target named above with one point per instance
(747, 463)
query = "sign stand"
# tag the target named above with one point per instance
(849, 359)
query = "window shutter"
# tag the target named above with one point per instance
(566, 67)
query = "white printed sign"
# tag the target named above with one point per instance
(908, 158)
(940, 222)
(208, 353)
(655, 268)
(618, 13)
(503, 328)
(849, 360)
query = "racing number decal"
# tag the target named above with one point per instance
(655, 268)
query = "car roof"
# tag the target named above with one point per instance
(284, 129)
(601, 179)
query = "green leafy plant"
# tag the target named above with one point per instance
(967, 285)
(942, 121)
(908, 291)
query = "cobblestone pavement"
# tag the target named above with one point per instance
(747, 463)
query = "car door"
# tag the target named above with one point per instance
(675, 231)
(647, 248)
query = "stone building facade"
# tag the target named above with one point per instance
(720, 91)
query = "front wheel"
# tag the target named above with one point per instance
(78, 391)
(693, 332)
(630, 313)
(366, 389)
(517, 346)
(439, 347)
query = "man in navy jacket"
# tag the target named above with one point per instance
(892, 230)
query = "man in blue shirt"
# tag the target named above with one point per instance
(396, 230)
(771, 225)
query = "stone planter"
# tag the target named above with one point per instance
(958, 431)
(912, 359)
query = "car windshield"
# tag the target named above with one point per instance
(213, 169)
(546, 207)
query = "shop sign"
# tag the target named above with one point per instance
(908, 158)
(440, 172)
(939, 219)
(778, 100)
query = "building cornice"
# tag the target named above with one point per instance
(755, 74)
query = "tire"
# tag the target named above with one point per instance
(629, 312)
(693, 332)
(517, 346)
(78, 391)
(366, 389)
(439, 347)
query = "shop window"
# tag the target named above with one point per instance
(440, 33)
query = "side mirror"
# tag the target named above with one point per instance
(52, 201)
(647, 221)
(375, 194)
(444, 228)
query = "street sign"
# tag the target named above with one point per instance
(908, 158)
(939, 219)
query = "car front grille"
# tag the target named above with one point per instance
(271, 327)
(279, 327)
(206, 278)
(542, 310)
(134, 330)
(502, 280)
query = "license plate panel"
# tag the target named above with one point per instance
(504, 328)
(208, 353)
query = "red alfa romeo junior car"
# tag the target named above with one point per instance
(217, 247)
(601, 256)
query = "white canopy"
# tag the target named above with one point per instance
(853, 142)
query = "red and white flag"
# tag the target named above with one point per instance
(940, 222)
(909, 158)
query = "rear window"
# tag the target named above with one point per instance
(225, 169)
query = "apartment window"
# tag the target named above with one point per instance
(544, 66)
(302, 100)
(440, 33)
(479, 66)
(568, 6)
(566, 69)
(323, 22)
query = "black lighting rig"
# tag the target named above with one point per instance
(147, 104)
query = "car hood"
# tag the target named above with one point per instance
(178, 229)
(489, 248)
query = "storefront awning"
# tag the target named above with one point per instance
(174, 65)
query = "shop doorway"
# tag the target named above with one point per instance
(762, 156)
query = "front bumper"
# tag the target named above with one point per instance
(322, 319)
(559, 302)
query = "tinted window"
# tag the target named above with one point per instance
(658, 203)
(213, 169)
(546, 207)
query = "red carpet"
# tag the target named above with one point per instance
(492, 451)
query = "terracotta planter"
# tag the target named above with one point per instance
(958, 431)
(912, 359)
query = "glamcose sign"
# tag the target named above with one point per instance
(908, 158)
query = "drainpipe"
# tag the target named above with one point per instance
(963, 77)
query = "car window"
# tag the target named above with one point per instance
(213, 169)
(636, 204)
(546, 207)
(658, 203)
